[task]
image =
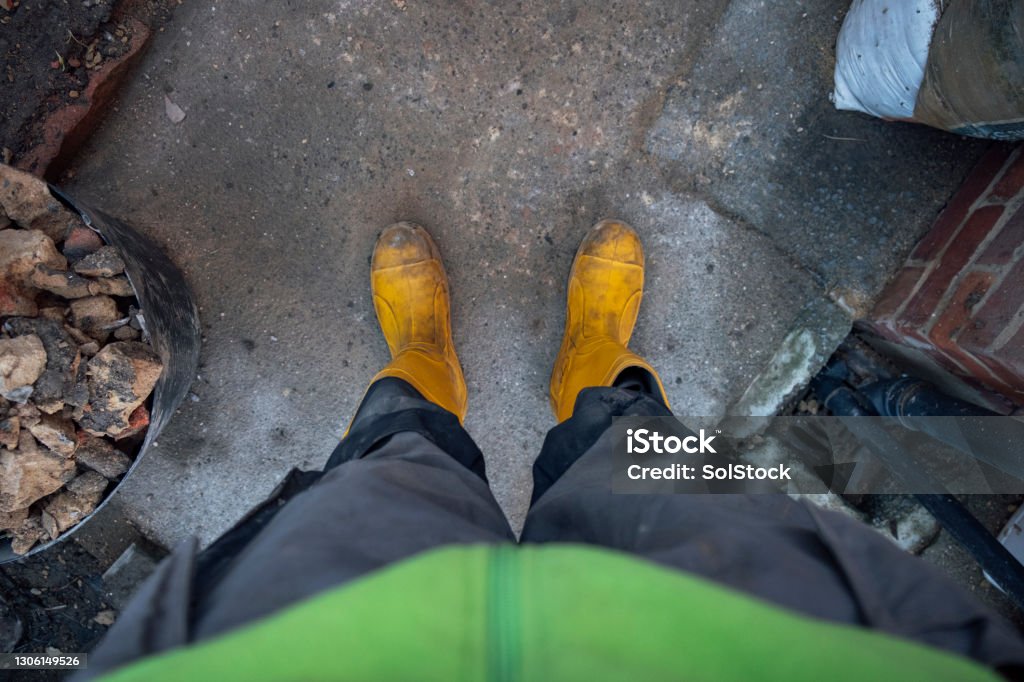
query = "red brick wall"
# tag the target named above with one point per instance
(960, 296)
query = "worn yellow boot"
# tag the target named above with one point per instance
(410, 295)
(605, 287)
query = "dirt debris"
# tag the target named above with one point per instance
(67, 394)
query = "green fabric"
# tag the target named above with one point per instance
(554, 612)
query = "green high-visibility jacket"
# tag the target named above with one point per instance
(545, 612)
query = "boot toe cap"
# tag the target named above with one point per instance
(615, 241)
(403, 243)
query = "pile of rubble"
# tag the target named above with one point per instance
(75, 366)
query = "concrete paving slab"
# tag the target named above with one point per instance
(507, 129)
(751, 129)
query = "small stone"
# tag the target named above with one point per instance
(9, 430)
(81, 241)
(61, 349)
(74, 63)
(73, 94)
(94, 315)
(49, 525)
(30, 473)
(56, 433)
(100, 456)
(104, 262)
(111, 286)
(67, 510)
(89, 486)
(27, 201)
(105, 618)
(126, 333)
(90, 349)
(27, 536)
(61, 282)
(22, 360)
(121, 376)
(48, 392)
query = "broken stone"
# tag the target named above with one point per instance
(120, 377)
(62, 360)
(9, 430)
(105, 618)
(49, 525)
(22, 360)
(100, 456)
(90, 348)
(27, 536)
(48, 392)
(12, 520)
(105, 262)
(66, 509)
(27, 201)
(22, 250)
(56, 434)
(61, 282)
(30, 473)
(94, 315)
(126, 333)
(61, 349)
(111, 286)
(80, 242)
(89, 486)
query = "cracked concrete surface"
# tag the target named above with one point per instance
(507, 129)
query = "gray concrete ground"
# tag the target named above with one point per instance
(507, 129)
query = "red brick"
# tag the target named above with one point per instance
(1011, 236)
(956, 210)
(920, 310)
(897, 292)
(137, 421)
(1012, 181)
(80, 242)
(67, 128)
(1009, 361)
(957, 313)
(1010, 373)
(999, 311)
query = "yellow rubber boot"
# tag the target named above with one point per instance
(410, 295)
(605, 287)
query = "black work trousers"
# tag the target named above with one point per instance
(408, 478)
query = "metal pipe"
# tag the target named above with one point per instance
(1003, 568)
(919, 406)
